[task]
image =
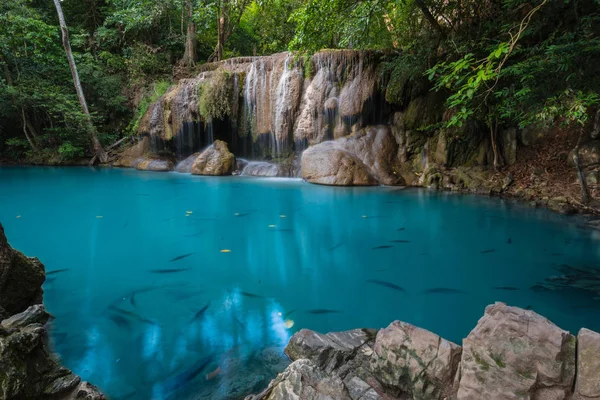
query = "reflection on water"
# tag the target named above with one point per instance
(172, 286)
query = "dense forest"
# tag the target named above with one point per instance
(500, 62)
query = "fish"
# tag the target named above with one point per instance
(539, 288)
(182, 257)
(120, 321)
(287, 314)
(240, 215)
(509, 288)
(213, 374)
(399, 241)
(509, 241)
(400, 229)
(252, 295)
(322, 311)
(201, 311)
(442, 291)
(381, 247)
(386, 284)
(57, 271)
(181, 379)
(487, 251)
(50, 280)
(168, 271)
(335, 247)
(131, 314)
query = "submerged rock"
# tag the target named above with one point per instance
(215, 160)
(514, 353)
(155, 163)
(511, 354)
(27, 369)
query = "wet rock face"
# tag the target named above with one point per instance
(27, 369)
(587, 386)
(513, 353)
(365, 158)
(216, 160)
(21, 279)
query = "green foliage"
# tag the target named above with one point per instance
(216, 96)
(68, 151)
(157, 90)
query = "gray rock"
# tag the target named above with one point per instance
(261, 168)
(185, 166)
(417, 362)
(514, 353)
(587, 386)
(155, 163)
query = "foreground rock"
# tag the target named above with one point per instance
(185, 166)
(365, 158)
(155, 163)
(27, 369)
(216, 160)
(129, 158)
(511, 354)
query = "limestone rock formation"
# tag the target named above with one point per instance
(514, 353)
(511, 354)
(261, 168)
(21, 279)
(215, 160)
(365, 158)
(155, 163)
(27, 369)
(185, 166)
(132, 154)
(587, 385)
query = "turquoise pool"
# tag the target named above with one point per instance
(171, 286)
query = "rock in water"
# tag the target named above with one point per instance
(587, 386)
(327, 164)
(155, 163)
(215, 160)
(21, 279)
(27, 369)
(415, 361)
(514, 353)
(185, 166)
(130, 155)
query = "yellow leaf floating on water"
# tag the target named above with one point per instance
(237, 214)
(187, 215)
(272, 226)
(189, 212)
(99, 216)
(364, 216)
(18, 216)
(282, 216)
(225, 251)
(289, 323)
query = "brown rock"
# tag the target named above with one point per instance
(327, 164)
(155, 163)
(514, 353)
(131, 154)
(587, 386)
(216, 160)
(417, 362)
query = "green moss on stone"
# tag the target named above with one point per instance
(482, 363)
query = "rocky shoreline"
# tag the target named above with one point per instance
(28, 369)
(511, 354)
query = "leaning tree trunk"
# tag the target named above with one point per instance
(585, 191)
(190, 56)
(91, 130)
(221, 30)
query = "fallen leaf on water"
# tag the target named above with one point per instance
(282, 216)
(364, 216)
(18, 216)
(189, 212)
(236, 214)
(99, 216)
(289, 323)
(225, 251)
(272, 226)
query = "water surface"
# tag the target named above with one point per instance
(171, 279)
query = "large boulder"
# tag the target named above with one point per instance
(21, 279)
(132, 154)
(587, 385)
(514, 353)
(261, 168)
(365, 158)
(156, 163)
(185, 166)
(216, 160)
(328, 164)
(28, 370)
(416, 362)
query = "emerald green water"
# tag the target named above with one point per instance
(141, 326)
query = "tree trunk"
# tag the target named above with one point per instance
(91, 130)
(221, 30)
(585, 191)
(429, 17)
(190, 56)
(25, 123)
